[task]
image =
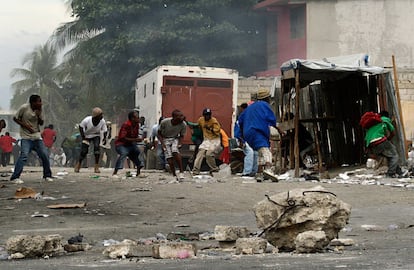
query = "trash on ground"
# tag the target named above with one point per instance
(67, 205)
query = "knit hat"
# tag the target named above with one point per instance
(96, 112)
(263, 93)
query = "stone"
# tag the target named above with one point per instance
(285, 215)
(342, 242)
(32, 246)
(128, 248)
(253, 245)
(230, 233)
(311, 242)
(77, 247)
(174, 250)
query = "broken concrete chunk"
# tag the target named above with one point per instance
(32, 246)
(77, 247)
(285, 215)
(311, 242)
(253, 245)
(342, 242)
(128, 248)
(230, 233)
(178, 250)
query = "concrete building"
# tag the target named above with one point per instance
(315, 29)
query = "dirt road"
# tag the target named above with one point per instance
(134, 208)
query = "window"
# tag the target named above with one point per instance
(215, 83)
(297, 22)
(177, 82)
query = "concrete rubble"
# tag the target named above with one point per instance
(299, 220)
(27, 246)
(250, 246)
(284, 216)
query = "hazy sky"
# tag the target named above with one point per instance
(24, 24)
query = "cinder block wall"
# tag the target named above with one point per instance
(406, 90)
(250, 85)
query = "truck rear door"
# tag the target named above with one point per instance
(192, 95)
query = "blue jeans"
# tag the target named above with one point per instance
(250, 160)
(124, 151)
(26, 147)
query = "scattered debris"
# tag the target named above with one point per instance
(25, 193)
(142, 189)
(67, 205)
(75, 239)
(39, 215)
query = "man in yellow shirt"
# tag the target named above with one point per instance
(211, 142)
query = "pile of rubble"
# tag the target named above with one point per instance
(302, 221)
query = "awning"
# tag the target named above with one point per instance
(328, 69)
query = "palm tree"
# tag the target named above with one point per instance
(40, 75)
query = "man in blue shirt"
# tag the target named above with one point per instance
(254, 123)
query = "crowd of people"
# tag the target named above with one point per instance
(95, 144)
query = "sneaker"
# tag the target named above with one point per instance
(404, 173)
(269, 175)
(17, 181)
(48, 179)
(114, 176)
(181, 176)
(259, 178)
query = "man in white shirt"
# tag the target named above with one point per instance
(90, 130)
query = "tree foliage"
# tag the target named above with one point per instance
(116, 40)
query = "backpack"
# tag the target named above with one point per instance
(370, 119)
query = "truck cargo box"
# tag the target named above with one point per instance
(189, 89)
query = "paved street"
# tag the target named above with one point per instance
(139, 208)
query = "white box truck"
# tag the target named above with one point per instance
(189, 89)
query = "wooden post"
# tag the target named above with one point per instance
(318, 147)
(397, 92)
(296, 147)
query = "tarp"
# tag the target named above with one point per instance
(330, 69)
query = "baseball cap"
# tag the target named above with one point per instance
(206, 111)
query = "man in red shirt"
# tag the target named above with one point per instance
(6, 144)
(126, 143)
(49, 137)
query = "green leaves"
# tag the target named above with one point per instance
(118, 39)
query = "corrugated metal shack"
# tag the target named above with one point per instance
(330, 95)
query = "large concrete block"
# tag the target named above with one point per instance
(32, 246)
(174, 250)
(285, 215)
